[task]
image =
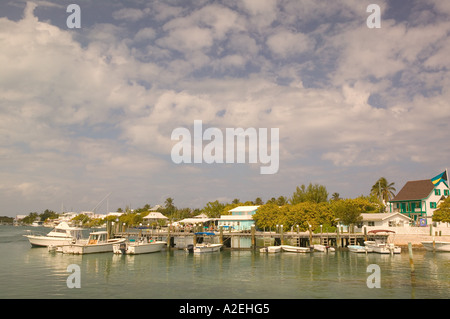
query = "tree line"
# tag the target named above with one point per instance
(308, 207)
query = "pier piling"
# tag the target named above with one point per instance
(411, 261)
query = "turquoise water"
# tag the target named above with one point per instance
(36, 273)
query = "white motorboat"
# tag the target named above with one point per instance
(62, 234)
(382, 247)
(323, 248)
(142, 246)
(97, 242)
(270, 249)
(207, 248)
(436, 245)
(359, 249)
(295, 249)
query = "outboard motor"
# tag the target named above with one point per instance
(123, 248)
(190, 248)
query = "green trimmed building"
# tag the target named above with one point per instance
(419, 199)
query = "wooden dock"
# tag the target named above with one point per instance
(253, 239)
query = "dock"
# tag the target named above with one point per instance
(247, 240)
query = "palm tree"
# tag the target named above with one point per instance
(383, 190)
(335, 196)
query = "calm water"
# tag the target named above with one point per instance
(35, 273)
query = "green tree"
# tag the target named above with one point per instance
(442, 213)
(280, 201)
(313, 193)
(213, 209)
(349, 210)
(383, 190)
(268, 216)
(82, 219)
(258, 201)
(169, 209)
(48, 214)
(30, 218)
(335, 196)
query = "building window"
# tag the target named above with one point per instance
(432, 204)
(446, 192)
(370, 223)
(437, 192)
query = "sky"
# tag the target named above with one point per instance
(87, 113)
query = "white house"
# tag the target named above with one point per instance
(385, 221)
(241, 218)
(419, 199)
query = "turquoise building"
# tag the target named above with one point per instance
(241, 218)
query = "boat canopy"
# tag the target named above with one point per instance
(205, 233)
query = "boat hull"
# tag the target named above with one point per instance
(138, 248)
(382, 248)
(208, 248)
(438, 246)
(359, 249)
(295, 249)
(45, 241)
(273, 249)
(323, 248)
(81, 249)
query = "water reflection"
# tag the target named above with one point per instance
(35, 273)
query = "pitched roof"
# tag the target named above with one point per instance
(414, 190)
(380, 216)
(244, 209)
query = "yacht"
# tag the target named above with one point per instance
(62, 234)
(97, 242)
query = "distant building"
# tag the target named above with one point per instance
(386, 221)
(241, 218)
(155, 217)
(419, 199)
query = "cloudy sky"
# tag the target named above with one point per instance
(89, 111)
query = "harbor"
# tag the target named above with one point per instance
(231, 273)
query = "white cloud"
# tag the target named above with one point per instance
(131, 14)
(286, 44)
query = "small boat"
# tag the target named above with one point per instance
(37, 224)
(359, 249)
(381, 247)
(295, 249)
(323, 248)
(207, 246)
(62, 234)
(142, 246)
(270, 249)
(436, 245)
(97, 242)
